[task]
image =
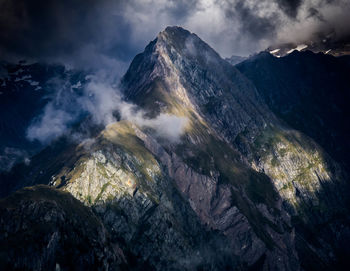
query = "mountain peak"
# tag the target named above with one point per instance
(186, 43)
(175, 31)
(175, 35)
(175, 50)
(180, 73)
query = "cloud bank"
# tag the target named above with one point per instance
(108, 34)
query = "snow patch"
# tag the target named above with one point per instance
(275, 51)
(298, 48)
(33, 83)
(77, 85)
(23, 78)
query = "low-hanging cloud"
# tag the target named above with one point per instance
(166, 126)
(53, 123)
(60, 112)
(102, 101)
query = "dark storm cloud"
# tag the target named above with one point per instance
(255, 26)
(317, 21)
(107, 33)
(180, 9)
(45, 27)
(290, 7)
(313, 12)
(63, 30)
(84, 32)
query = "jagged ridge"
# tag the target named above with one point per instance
(227, 177)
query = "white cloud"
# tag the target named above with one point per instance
(101, 100)
(52, 124)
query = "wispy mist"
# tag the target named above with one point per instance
(100, 99)
(53, 123)
(103, 101)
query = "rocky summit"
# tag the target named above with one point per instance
(222, 172)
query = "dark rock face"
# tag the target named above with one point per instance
(305, 176)
(218, 207)
(310, 92)
(240, 189)
(185, 69)
(46, 229)
(188, 73)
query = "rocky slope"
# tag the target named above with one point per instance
(133, 172)
(237, 189)
(304, 171)
(308, 91)
(46, 229)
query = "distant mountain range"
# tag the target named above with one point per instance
(208, 165)
(326, 45)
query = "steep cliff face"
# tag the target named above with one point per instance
(236, 189)
(308, 91)
(144, 192)
(179, 72)
(227, 107)
(138, 202)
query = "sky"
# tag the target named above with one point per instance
(108, 34)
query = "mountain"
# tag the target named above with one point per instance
(308, 91)
(328, 45)
(224, 182)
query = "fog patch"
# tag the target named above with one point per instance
(102, 101)
(193, 48)
(167, 126)
(52, 124)
(10, 156)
